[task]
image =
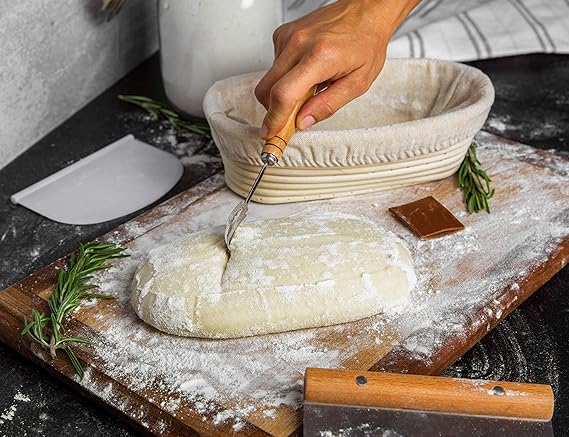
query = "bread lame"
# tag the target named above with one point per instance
(271, 154)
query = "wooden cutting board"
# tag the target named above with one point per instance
(174, 386)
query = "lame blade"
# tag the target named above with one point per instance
(234, 220)
(240, 211)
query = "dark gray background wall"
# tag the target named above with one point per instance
(55, 56)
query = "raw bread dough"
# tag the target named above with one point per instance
(283, 274)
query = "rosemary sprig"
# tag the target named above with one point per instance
(158, 109)
(72, 286)
(476, 184)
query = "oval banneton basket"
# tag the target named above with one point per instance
(414, 125)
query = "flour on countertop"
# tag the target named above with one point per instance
(190, 148)
(21, 397)
(9, 412)
(504, 125)
(266, 371)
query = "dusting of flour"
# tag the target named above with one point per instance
(226, 381)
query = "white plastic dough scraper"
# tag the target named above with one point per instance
(117, 180)
(272, 152)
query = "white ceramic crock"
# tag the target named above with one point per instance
(203, 41)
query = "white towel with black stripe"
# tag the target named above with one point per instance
(464, 30)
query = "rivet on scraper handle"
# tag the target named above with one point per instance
(272, 152)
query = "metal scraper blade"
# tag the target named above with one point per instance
(355, 421)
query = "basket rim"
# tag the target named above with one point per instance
(381, 143)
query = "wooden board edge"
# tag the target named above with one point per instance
(62, 370)
(403, 361)
(527, 288)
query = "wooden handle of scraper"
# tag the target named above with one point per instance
(277, 144)
(429, 393)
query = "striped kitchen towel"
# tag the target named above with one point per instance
(464, 30)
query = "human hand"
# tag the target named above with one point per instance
(341, 46)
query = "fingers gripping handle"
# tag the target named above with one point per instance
(276, 145)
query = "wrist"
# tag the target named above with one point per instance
(387, 13)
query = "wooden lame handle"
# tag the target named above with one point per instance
(277, 144)
(429, 393)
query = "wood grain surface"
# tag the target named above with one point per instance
(469, 397)
(450, 311)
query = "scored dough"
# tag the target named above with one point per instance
(283, 274)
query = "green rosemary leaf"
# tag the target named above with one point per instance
(74, 361)
(142, 99)
(170, 112)
(34, 329)
(67, 294)
(55, 327)
(73, 340)
(159, 109)
(475, 182)
(96, 296)
(27, 326)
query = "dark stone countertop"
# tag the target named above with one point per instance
(532, 106)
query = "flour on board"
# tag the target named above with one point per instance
(457, 275)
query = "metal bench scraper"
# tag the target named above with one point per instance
(353, 403)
